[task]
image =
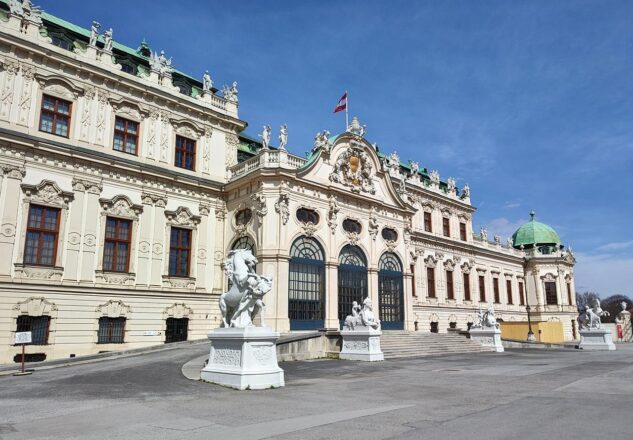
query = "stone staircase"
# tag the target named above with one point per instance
(402, 344)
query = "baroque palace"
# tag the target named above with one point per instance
(124, 183)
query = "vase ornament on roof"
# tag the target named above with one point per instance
(356, 128)
(353, 168)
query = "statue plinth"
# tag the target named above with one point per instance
(243, 358)
(361, 344)
(596, 339)
(487, 337)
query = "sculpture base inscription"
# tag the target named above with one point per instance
(596, 339)
(243, 358)
(487, 337)
(361, 344)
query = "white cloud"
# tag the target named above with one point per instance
(604, 273)
(503, 227)
(511, 205)
(616, 246)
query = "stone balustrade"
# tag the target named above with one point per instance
(267, 159)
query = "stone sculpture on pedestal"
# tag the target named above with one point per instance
(361, 334)
(243, 355)
(485, 330)
(593, 334)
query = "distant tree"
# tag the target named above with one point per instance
(612, 305)
(583, 299)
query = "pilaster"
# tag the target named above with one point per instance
(10, 178)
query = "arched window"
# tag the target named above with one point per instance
(244, 243)
(390, 292)
(352, 279)
(306, 285)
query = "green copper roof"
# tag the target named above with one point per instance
(534, 232)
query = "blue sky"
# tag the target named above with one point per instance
(527, 101)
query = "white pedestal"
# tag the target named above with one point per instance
(487, 337)
(361, 344)
(596, 339)
(243, 358)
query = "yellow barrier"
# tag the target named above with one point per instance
(544, 331)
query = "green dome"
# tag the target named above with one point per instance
(534, 233)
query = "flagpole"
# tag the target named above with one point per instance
(346, 110)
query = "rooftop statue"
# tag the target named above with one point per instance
(590, 318)
(241, 303)
(230, 93)
(94, 33)
(466, 192)
(452, 187)
(415, 167)
(435, 177)
(107, 36)
(266, 136)
(322, 140)
(27, 11)
(483, 233)
(509, 242)
(207, 83)
(283, 136)
(160, 64)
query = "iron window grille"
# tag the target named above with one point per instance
(111, 330)
(42, 231)
(37, 325)
(176, 330)
(55, 116)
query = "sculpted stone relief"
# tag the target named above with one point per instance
(353, 168)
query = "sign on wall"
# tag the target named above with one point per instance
(22, 338)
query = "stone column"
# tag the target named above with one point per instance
(202, 283)
(331, 294)
(407, 284)
(143, 265)
(10, 193)
(372, 288)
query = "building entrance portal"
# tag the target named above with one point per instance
(352, 280)
(390, 292)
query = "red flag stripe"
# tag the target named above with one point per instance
(342, 104)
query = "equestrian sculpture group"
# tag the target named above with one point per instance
(244, 299)
(590, 317)
(485, 319)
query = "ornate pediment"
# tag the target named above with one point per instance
(121, 206)
(353, 168)
(178, 310)
(47, 192)
(113, 309)
(35, 306)
(182, 217)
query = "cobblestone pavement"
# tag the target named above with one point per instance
(519, 394)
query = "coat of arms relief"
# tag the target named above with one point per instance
(354, 169)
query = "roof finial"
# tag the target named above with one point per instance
(532, 214)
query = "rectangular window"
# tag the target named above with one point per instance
(521, 294)
(569, 299)
(116, 246)
(428, 224)
(446, 227)
(185, 153)
(111, 330)
(42, 230)
(466, 277)
(550, 293)
(482, 288)
(413, 293)
(509, 291)
(179, 252)
(430, 281)
(125, 136)
(37, 325)
(495, 288)
(450, 292)
(55, 116)
(462, 231)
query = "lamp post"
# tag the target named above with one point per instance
(530, 335)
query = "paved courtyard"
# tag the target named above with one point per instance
(526, 394)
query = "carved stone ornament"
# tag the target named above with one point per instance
(352, 237)
(35, 306)
(87, 186)
(115, 278)
(179, 282)
(13, 171)
(430, 261)
(113, 309)
(353, 168)
(47, 192)
(449, 265)
(121, 206)
(373, 223)
(281, 208)
(309, 229)
(332, 213)
(46, 273)
(259, 201)
(178, 311)
(182, 217)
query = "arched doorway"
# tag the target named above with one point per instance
(352, 280)
(306, 285)
(390, 292)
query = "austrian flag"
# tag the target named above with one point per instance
(342, 104)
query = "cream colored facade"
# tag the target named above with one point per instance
(89, 181)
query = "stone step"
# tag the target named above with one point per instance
(403, 344)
